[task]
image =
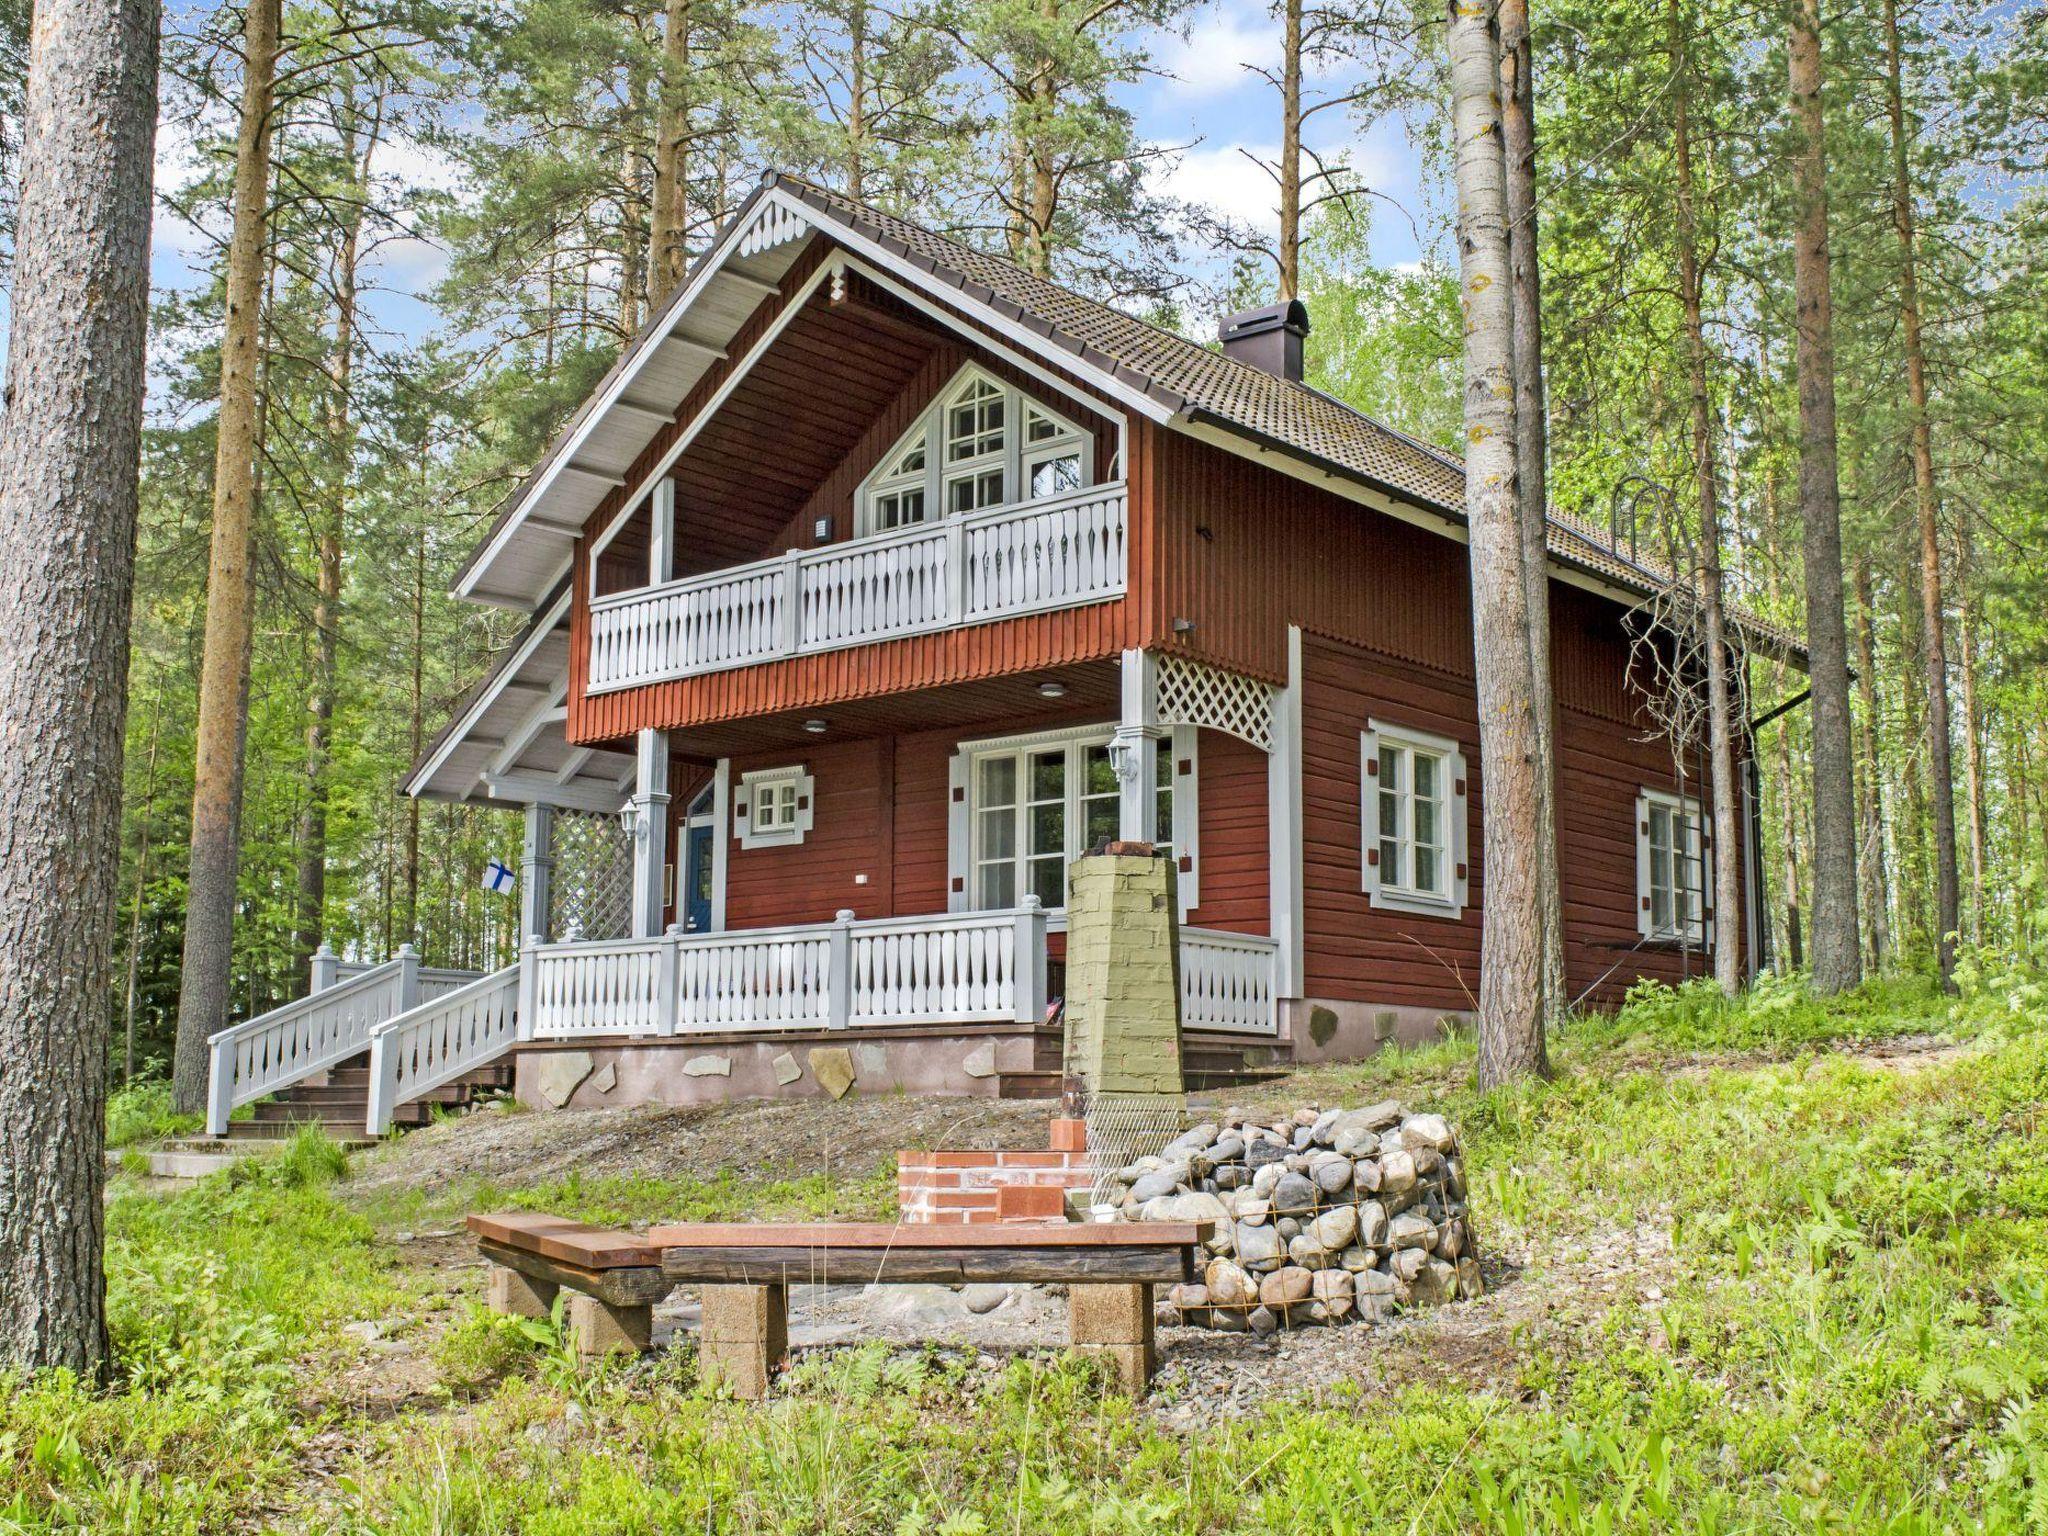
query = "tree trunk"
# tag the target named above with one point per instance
(224, 668)
(1940, 752)
(312, 882)
(1511, 959)
(1837, 960)
(1289, 246)
(668, 239)
(1879, 898)
(1532, 448)
(416, 731)
(70, 443)
(131, 999)
(1727, 845)
(1973, 726)
(633, 241)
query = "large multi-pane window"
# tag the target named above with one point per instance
(1670, 867)
(1414, 813)
(1038, 805)
(982, 444)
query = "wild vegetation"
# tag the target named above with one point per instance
(1761, 1265)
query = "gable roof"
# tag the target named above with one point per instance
(1181, 383)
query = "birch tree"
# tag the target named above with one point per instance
(70, 444)
(1511, 958)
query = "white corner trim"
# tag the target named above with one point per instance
(417, 784)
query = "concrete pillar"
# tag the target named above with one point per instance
(536, 873)
(650, 835)
(745, 1337)
(1123, 974)
(598, 1328)
(1114, 1323)
(517, 1294)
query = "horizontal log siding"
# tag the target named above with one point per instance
(1357, 954)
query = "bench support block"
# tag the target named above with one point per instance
(745, 1337)
(1115, 1322)
(519, 1295)
(598, 1328)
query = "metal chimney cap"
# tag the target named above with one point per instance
(1288, 314)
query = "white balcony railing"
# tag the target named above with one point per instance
(1028, 558)
(454, 1033)
(1229, 981)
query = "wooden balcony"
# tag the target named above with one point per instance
(1032, 557)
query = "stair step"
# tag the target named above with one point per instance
(1036, 1084)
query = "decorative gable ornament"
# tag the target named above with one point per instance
(773, 225)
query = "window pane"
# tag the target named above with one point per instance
(1390, 862)
(1049, 829)
(1426, 772)
(1426, 868)
(1049, 881)
(1039, 429)
(1163, 831)
(1049, 775)
(1055, 477)
(998, 784)
(1098, 775)
(1425, 815)
(998, 834)
(998, 886)
(1099, 820)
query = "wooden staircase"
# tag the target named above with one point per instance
(338, 1100)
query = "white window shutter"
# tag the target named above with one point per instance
(1460, 804)
(1643, 865)
(1369, 811)
(957, 829)
(1187, 821)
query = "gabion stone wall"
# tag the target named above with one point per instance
(1321, 1216)
(590, 889)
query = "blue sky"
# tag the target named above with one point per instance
(1200, 98)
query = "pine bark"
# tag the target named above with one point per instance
(1288, 249)
(1511, 957)
(1940, 748)
(1837, 960)
(668, 235)
(1532, 448)
(224, 666)
(70, 444)
(1727, 869)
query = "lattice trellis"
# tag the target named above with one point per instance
(590, 891)
(1123, 1127)
(1190, 693)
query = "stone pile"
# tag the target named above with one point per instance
(1321, 1217)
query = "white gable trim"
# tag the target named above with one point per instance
(417, 784)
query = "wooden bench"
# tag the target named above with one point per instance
(746, 1271)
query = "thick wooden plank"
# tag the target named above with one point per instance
(890, 1236)
(572, 1242)
(634, 1286)
(755, 1265)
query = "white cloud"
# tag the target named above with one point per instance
(1224, 179)
(1222, 39)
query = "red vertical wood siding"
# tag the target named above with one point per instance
(1230, 815)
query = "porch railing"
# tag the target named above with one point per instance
(1010, 560)
(437, 1042)
(326, 1027)
(1229, 981)
(951, 967)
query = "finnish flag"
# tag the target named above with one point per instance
(498, 876)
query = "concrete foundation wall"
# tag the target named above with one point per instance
(1326, 1029)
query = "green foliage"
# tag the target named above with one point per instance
(142, 1112)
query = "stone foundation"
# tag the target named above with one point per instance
(1319, 1030)
(611, 1073)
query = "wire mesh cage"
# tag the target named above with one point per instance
(1123, 1127)
(590, 893)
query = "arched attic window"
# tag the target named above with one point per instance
(981, 443)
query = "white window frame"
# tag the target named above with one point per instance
(1014, 458)
(1177, 748)
(771, 785)
(1453, 816)
(1699, 931)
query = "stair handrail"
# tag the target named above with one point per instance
(436, 1042)
(259, 1056)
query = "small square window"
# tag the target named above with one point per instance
(778, 803)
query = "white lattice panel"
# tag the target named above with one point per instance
(591, 892)
(1190, 693)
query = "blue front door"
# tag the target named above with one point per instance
(697, 880)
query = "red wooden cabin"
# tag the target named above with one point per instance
(880, 577)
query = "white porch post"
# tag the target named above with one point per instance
(721, 838)
(1283, 825)
(1135, 750)
(536, 873)
(650, 834)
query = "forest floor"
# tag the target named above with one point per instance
(1774, 1266)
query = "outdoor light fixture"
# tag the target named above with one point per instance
(815, 727)
(1052, 690)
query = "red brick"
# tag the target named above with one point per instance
(963, 1200)
(1069, 1135)
(1030, 1203)
(1031, 1159)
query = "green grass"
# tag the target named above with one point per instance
(623, 1199)
(1850, 1334)
(142, 1112)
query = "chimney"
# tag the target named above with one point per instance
(1269, 339)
